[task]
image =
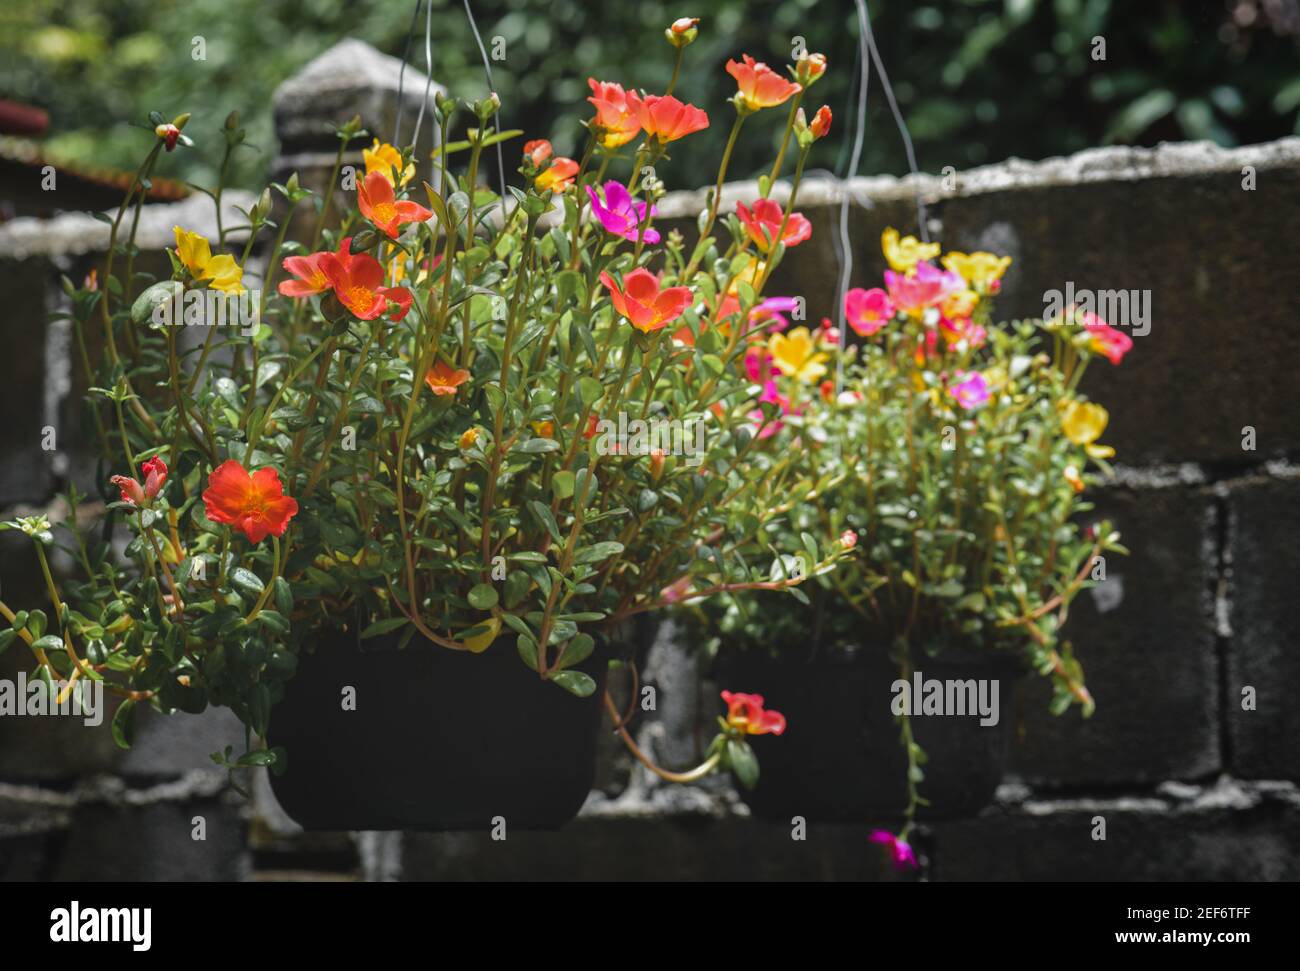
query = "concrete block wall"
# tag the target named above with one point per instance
(1190, 784)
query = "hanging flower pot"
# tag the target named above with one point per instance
(840, 757)
(426, 738)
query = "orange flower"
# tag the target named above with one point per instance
(746, 714)
(254, 504)
(559, 176)
(377, 203)
(666, 118)
(615, 117)
(764, 222)
(538, 151)
(760, 86)
(643, 303)
(358, 282)
(443, 379)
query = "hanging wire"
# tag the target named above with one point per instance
(843, 250)
(401, 73)
(428, 68)
(487, 69)
(898, 120)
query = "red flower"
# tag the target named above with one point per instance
(759, 86)
(377, 203)
(310, 271)
(358, 282)
(764, 222)
(666, 118)
(254, 504)
(643, 303)
(746, 713)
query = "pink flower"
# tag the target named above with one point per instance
(928, 287)
(848, 539)
(771, 395)
(1105, 339)
(868, 310)
(971, 390)
(900, 850)
(758, 364)
(620, 214)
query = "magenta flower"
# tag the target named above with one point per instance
(867, 310)
(900, 850)
(970, 390)
(771, 395)
(769, 315)
(620, 214)
(928, 287)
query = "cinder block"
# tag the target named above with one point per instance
(154, 842)
(24, 473)
(1264, 524)
(1146, 640)
(1146, 840)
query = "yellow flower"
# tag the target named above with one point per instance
(903, 254)
(1083, 423)
(383, 158)
(796, 355)
(981, 270)
(221, 272)
(468, 437)
(959, 305)
(750, 273)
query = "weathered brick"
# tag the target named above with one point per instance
(1145, 638)
(1264, 524)
(1220, 837)
(24, 473)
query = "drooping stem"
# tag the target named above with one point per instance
(692, 775)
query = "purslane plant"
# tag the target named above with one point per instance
(457, 418)
(952, 453)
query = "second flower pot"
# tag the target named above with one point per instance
(438, 740)
(840, 758)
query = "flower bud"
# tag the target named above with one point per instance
(809, 68)
(848, 539)
(155, 472)
(683, 31)
(169, 134)
(468, 438)
(821, 123)
(657, 459)
(131, 490)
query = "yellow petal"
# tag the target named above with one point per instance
(192, 250)
(481, 642)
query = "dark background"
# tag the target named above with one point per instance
(978, 80)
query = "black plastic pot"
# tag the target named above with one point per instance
(840, 758)
(439, 740)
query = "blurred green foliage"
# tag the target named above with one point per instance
(978, 80)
